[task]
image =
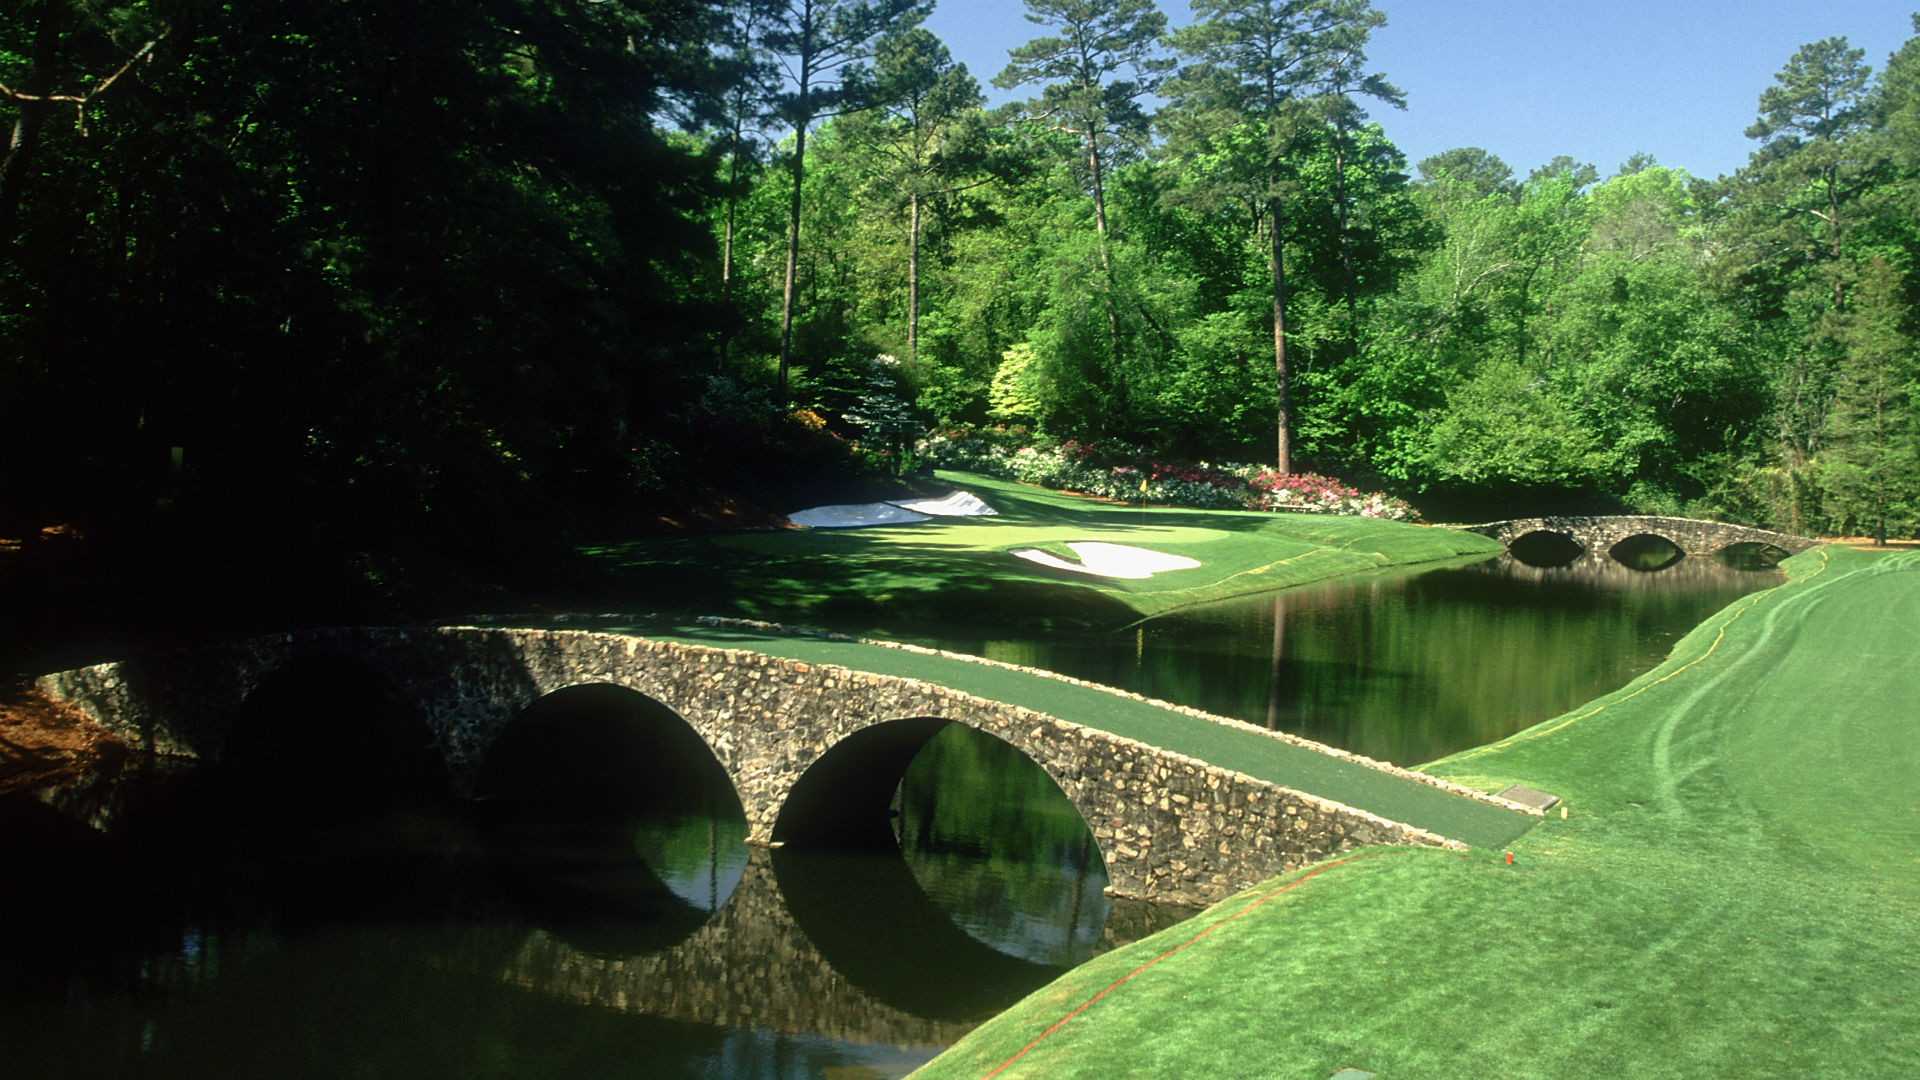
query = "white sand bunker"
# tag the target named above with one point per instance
(901, 512)
(853, 516)
(952, 504)
(1110, 560)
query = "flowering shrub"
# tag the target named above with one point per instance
(1317, 494)
(1115, 470)
(963, 450)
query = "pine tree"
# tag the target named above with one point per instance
(1273, 68)
(1870, 466)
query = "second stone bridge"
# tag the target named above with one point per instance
(1599, 535)
(815, 733)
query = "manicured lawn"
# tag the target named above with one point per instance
(1735, 892)
(960, 569)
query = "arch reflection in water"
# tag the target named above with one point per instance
(1546, 549)
(938, 869)
(1646, 552)
(996, 843)
(610, 821)
(1750, 556)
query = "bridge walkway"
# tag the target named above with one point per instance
(1226, 745)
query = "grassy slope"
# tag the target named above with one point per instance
(1735, 893)
(960, 569)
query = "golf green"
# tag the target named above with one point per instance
(964, 569)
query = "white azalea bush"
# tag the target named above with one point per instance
(1114, 470)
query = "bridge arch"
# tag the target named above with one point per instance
(1646, 551)
(601, 747)
(623, 833)
(1599, 534)
(1546, 548)
(876, 804)
(326, 733)
(1752, 554)
(844, 798)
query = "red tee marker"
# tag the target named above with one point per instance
(1509, 858)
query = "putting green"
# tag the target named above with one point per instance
(1736, 892)
(963, 569)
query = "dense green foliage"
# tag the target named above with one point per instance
(365, 293)
(345, 293)
(1479, 344)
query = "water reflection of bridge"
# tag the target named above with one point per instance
(785, 954)
(1607, 573)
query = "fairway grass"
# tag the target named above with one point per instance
(1735, 892)
(964, 569)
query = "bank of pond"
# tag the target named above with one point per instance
(322, 906)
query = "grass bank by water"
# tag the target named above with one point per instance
(961, 569)
(1735, 892)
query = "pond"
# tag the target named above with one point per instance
(593, 910)
(323, 908)
(1404, 668)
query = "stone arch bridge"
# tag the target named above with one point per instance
(1600, 535)
(1185, 807)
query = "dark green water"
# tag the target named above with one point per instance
(560, 925)
(1404, 669)
(325, 909)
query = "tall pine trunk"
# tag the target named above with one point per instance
(1283, 442)
(24, 139)
(1346, 241)
(793, 255)
(726, 248)
(1106, 261)
(913, 278)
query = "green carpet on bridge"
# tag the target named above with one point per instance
(1338, 779)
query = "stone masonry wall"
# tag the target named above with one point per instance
(1599, 534)
(1171, 828)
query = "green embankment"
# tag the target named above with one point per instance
(1735, 893)
(960, 569)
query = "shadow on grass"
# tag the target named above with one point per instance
(848, 579)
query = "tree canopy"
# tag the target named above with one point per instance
(346, 291)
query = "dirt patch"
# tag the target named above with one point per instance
(715, 510)
(716, 513)
(43, 743)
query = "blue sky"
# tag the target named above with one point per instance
(1598, 80)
